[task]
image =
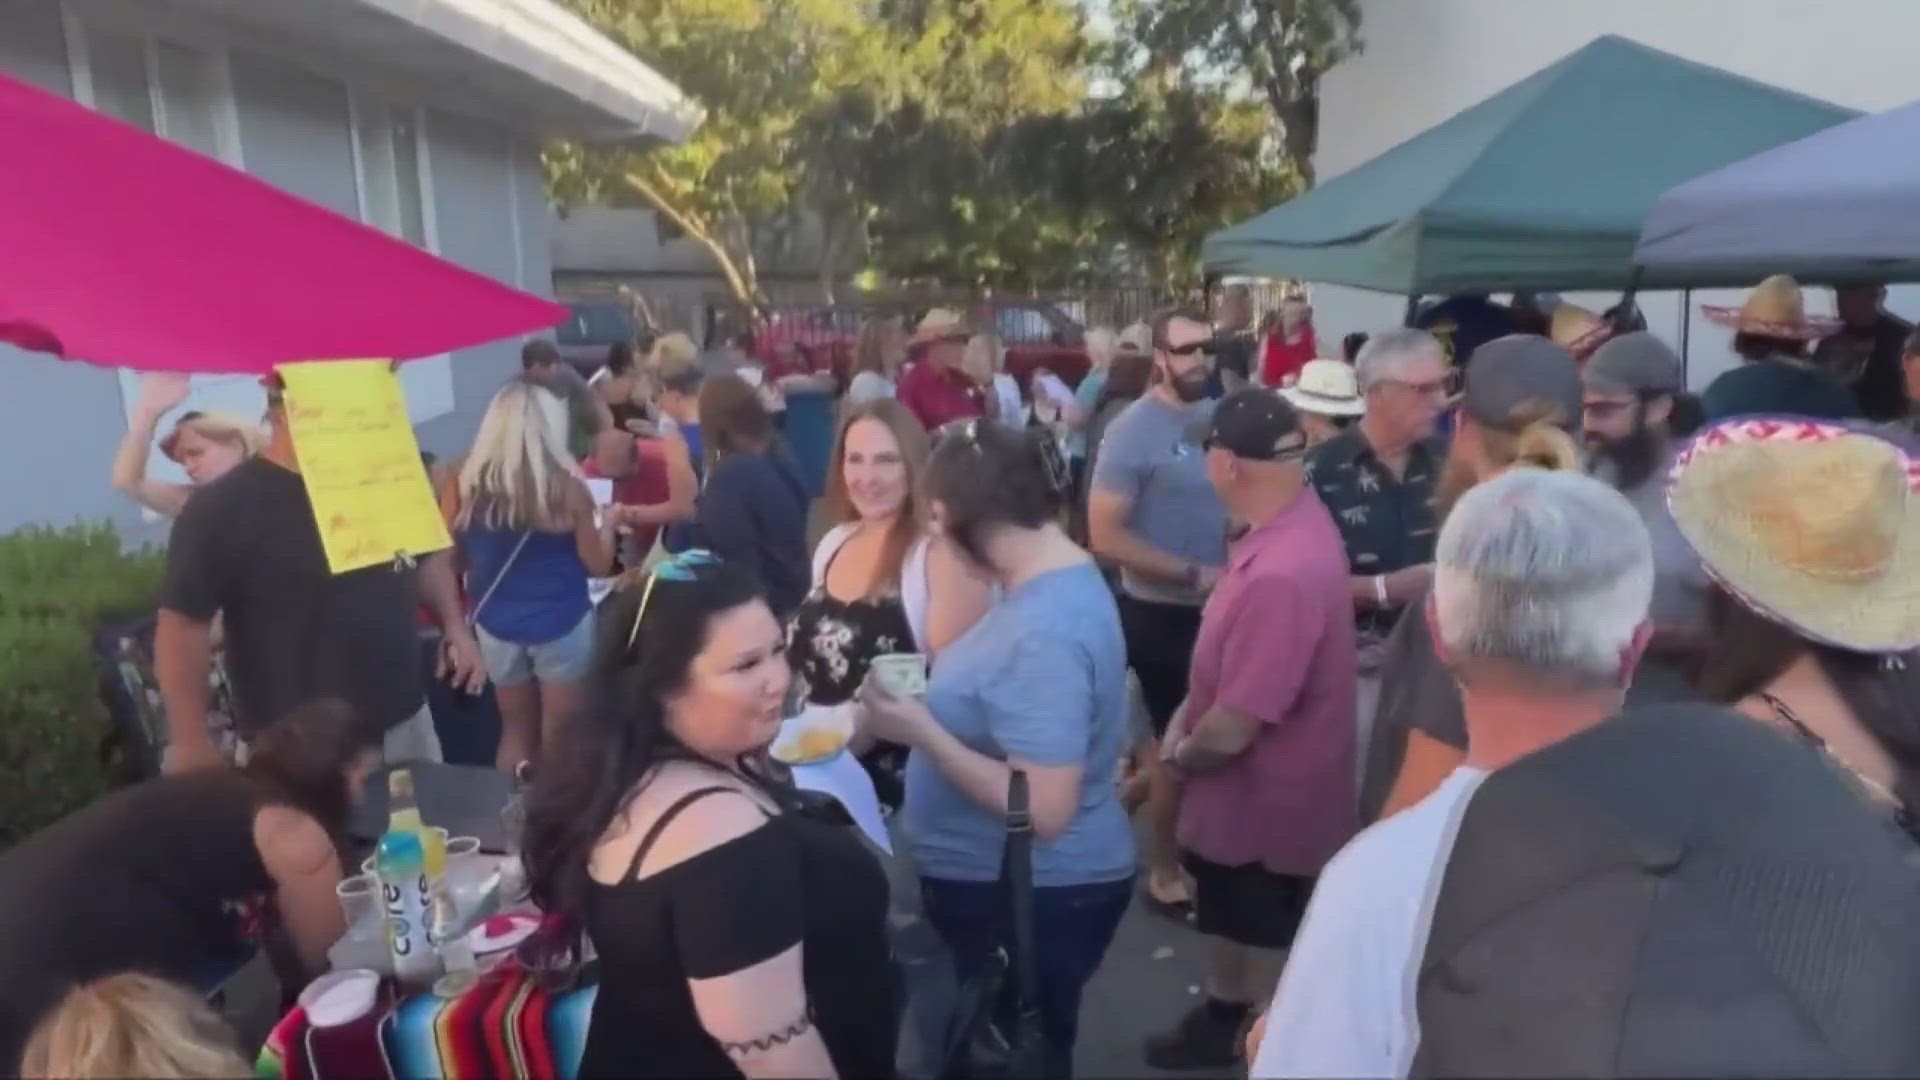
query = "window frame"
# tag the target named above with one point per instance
(226, 111)
(360, 103)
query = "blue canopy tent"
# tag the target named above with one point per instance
(1542, 186)
(1838, 207)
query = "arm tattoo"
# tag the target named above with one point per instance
(764, 1043)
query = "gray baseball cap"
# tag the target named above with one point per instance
(1509, 372)
(1638, 363)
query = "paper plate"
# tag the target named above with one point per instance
(501, 933)
(789, 746)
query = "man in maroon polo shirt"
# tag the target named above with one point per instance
(935, 389)
(1265, 739)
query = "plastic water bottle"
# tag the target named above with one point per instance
(407, 893)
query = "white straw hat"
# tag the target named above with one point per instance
(1812, 524)
(1325, 388)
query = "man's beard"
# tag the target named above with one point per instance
(1190, 387)
(1629, 461)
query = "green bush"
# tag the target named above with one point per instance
(57, 588)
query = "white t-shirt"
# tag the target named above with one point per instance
(1345, 1006)
(1012, 408)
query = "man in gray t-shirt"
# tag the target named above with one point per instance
(1628, 388)
(1153, 513)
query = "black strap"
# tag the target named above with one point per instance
(666, 818)
(1016, 879)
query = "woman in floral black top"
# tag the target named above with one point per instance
(880, 585)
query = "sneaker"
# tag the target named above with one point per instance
(1200, 1041)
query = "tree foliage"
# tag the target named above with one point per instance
(1279, 49)
(952, 140)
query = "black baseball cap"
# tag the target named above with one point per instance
(1256, 424)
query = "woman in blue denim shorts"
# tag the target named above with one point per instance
(529, 532)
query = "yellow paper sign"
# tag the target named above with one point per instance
(361, 463)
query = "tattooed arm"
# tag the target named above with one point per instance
(739, 937)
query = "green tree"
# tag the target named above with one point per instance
(761, 69)
(1280, 49)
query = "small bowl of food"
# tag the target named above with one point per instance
(814, 735)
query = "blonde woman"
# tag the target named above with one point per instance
(985, 360)
(204, 444)
(132, 1025)
(1521, 401)
(878, 354)
(531, 536)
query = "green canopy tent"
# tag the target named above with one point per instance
(1542, 186)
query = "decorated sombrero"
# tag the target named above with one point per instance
(1578, 330)
(1810, 523)
(1774, 309)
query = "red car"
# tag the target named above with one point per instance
(1037, 334)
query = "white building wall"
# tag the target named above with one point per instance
(1425, 60)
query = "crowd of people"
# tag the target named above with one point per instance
(1507, 709)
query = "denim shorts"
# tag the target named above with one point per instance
(564, 659)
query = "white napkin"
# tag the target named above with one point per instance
(842, 777)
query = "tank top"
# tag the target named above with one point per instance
(832, 642)
(541, 592)
(161, 877)
(799, 879)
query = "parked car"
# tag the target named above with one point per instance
(1037, 334)
(590, 329)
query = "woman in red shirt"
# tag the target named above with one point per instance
(1289, 345)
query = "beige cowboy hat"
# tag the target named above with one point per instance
(1325, 388)
(941, 324)
(1578, 330)
(1812, 524)
(1775, 309)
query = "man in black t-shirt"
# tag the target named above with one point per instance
(246, 548)
(1865, 353)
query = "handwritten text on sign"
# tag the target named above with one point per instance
(362, 467)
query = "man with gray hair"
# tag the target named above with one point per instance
(1377, 478)
(1539, 612)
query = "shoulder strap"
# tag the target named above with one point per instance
(829, 546)
(666, 818)
(473, 617)
(916, 590)
(1016, 877)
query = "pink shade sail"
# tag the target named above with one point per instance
(123, 249)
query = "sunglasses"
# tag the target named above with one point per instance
(683, 567)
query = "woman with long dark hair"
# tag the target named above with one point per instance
(753, 500)
(183, 876)
(738, 933)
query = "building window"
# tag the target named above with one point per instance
(391, 166)
(178, 92)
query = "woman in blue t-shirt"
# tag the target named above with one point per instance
(528, 530)
(1038, 685)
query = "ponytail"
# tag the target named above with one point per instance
(1536, 437)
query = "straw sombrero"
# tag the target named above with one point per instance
(1578, 330)
(1325, 388)
(1775, 309)
(1812, 524)
(941, 324)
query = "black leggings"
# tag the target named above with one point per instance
(1159, 650)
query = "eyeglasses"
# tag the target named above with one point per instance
(685, 566)
(1445, 386)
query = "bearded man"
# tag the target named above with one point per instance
(1629, 388)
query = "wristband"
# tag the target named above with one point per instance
(1380, 589)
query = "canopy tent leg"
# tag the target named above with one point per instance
(1686, 333)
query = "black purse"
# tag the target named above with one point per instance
(994, 1030)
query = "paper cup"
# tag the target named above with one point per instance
(901, 674)
(340, 997)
